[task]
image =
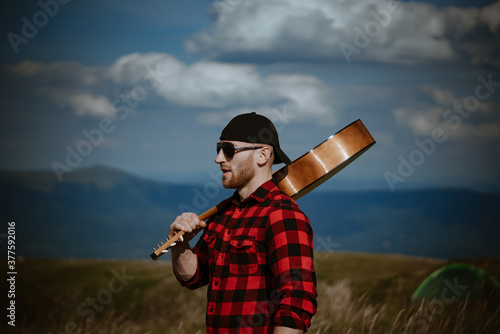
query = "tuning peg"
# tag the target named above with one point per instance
(154, 249)
(157, 245)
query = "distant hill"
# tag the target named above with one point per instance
(101, 212)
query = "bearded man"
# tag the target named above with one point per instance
(257, 255)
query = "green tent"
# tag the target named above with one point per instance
(456, 281)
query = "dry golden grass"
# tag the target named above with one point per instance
(358, 293)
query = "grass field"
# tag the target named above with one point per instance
(358, 293)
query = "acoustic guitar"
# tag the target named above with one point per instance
(306, 172)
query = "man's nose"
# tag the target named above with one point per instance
(220, 158)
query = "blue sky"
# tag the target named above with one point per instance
(147, 86)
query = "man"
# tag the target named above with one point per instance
(257, 255)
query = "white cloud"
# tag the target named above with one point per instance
(88, 104)
(68, 84)
(466, 117)
(80, 103)
(41, 74)
(370, 30)
(131, 69)
(207, 85)
(214, 85)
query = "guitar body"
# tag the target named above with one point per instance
(325, 160)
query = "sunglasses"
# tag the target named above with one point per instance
(229, 149)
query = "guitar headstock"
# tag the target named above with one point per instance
(163, 247)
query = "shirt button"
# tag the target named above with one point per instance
(211, 310)
(228, 232)
(216, 283)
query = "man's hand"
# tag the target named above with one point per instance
(183, 259)
(189, 223)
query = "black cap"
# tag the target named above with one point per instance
(253, 128)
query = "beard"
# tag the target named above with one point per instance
(240, 175)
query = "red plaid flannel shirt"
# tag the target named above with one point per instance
(257, 259)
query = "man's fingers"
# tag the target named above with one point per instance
(202, 224)
(193, 221)
(189, 223)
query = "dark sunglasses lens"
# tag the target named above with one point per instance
(227, 148)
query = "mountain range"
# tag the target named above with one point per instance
(102, 212)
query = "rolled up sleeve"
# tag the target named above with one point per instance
(200, 277)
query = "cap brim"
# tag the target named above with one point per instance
(281, 157)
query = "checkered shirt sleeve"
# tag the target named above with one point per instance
(290, 250)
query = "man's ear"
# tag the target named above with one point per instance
(265, 155)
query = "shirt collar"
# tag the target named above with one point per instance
(258, 195)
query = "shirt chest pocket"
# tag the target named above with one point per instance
(243, 257)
